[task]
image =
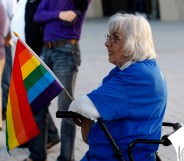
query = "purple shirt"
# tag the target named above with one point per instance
(2, 30)
(54, 28)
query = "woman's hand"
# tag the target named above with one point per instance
(85, 125)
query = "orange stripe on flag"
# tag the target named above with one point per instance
(18, 124)
(24, 56)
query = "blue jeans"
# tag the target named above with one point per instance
(52, 130)
(6, 76)
(64, 62)
(37, 146)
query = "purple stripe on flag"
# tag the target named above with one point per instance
(45, 97)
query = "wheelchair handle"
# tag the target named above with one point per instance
(67, 114)
(175, 126)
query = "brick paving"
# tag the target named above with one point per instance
(169, 44)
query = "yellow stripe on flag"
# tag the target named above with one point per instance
(12, 141)
(29, 66)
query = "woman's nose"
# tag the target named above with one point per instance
(107, 43)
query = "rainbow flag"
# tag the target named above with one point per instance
(32, 86)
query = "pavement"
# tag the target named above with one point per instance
(169, 45)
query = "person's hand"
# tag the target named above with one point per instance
(67, 15)
(85, 125)
(8, 39)
(78, 121)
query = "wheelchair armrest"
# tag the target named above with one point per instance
(143, 141)
(164, 140)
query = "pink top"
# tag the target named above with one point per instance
(2, 30)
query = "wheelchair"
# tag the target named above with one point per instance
(117, 152)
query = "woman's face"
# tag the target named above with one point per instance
(114, 43)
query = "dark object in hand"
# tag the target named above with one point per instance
(81, 5)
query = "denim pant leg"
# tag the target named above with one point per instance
(64, 62)
(68, 128)
(52, 129)
(37, 146)
(6, 76)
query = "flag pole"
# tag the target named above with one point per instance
(41, 61)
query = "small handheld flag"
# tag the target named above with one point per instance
(32, 86)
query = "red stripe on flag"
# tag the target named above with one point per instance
(24, 107)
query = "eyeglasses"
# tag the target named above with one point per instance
(112, 39)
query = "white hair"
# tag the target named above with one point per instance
(137, 35)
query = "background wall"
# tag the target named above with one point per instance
(165, 10)
(95, 9)
(171, 10)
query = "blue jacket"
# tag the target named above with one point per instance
(132, 104)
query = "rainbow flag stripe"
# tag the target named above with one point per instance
(32, 86)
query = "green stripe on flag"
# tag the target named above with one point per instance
(34, 76)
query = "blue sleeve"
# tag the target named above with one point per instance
(111, 99)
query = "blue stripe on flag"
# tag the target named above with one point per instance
(45, 97)
(39, 86)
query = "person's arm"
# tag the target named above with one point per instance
(85, 107)
(11, 7)
(8, 39)
(42, 15)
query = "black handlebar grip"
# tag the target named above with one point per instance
(67, 114)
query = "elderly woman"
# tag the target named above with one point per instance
(132, 98)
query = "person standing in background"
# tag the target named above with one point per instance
(9, 6)
(34, 38)
(62, 21)
(142, 7)
(2, 52)
(31, 33)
